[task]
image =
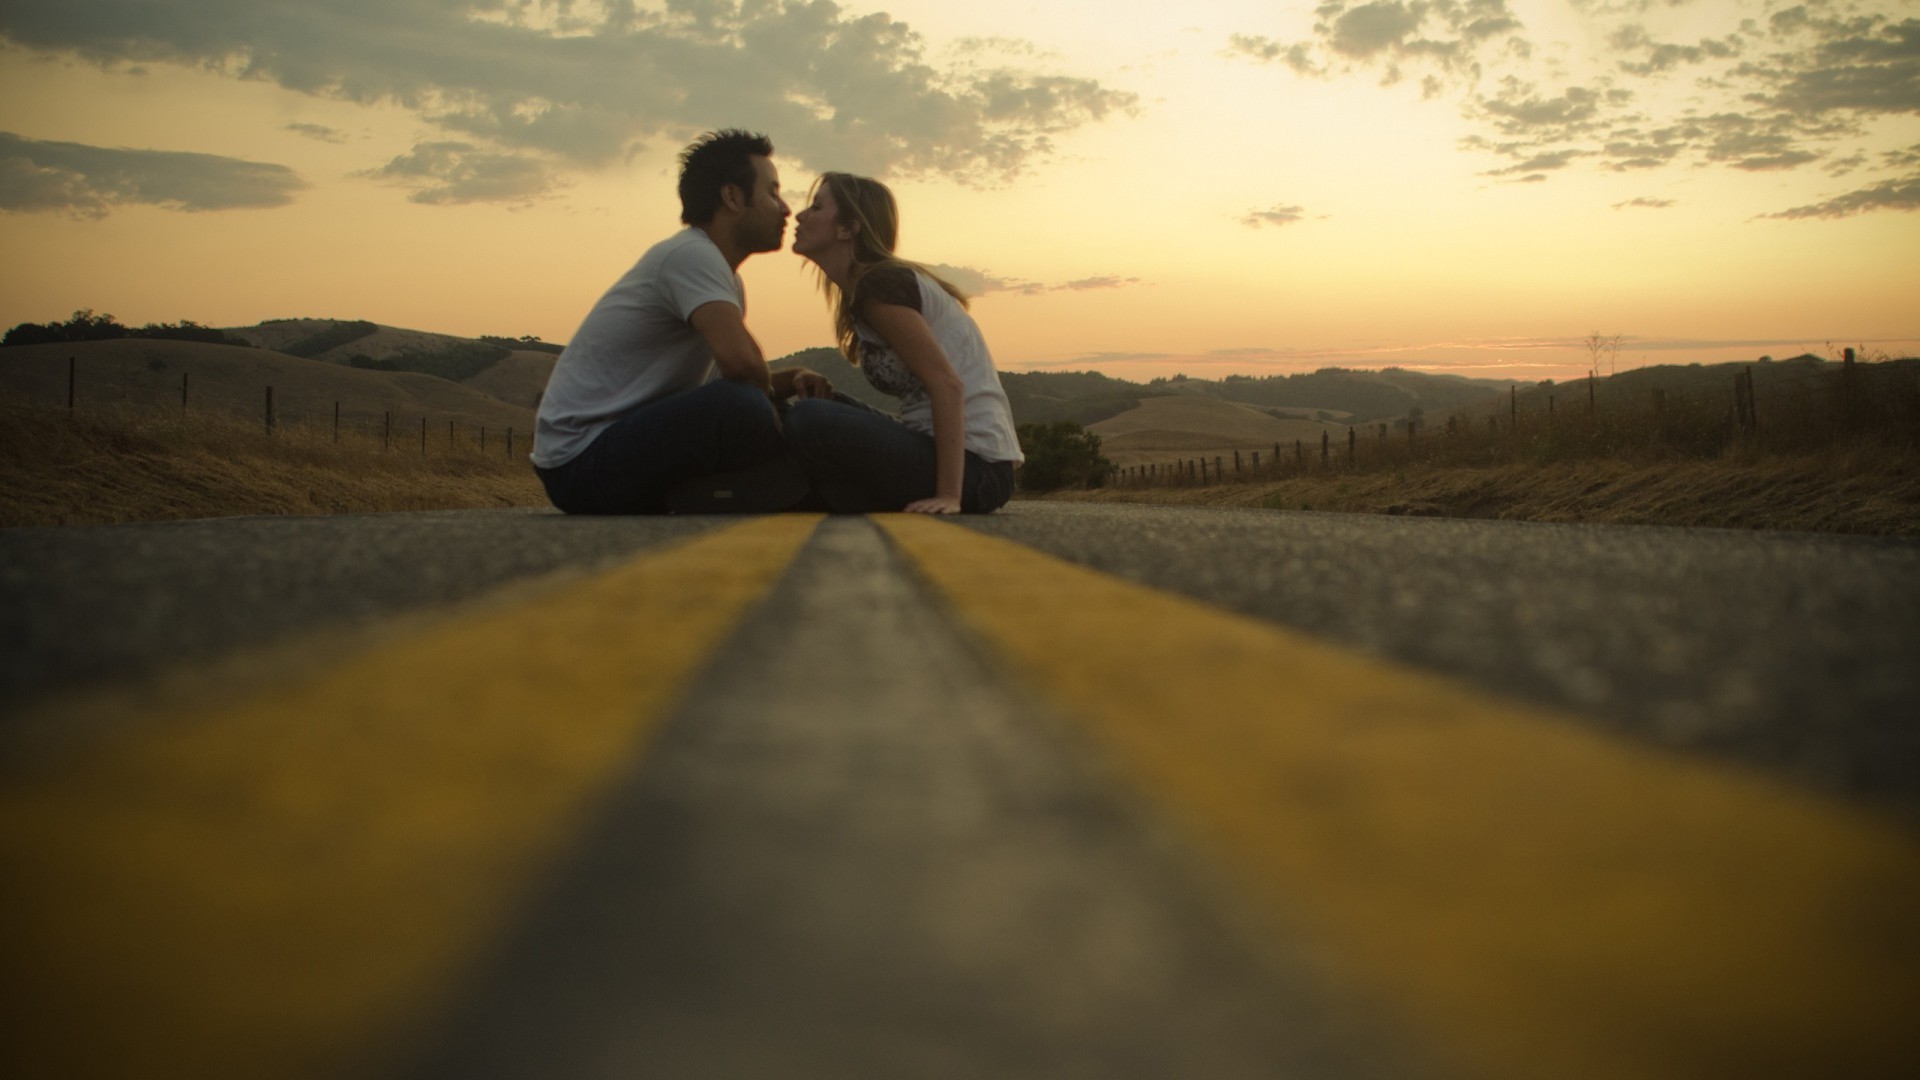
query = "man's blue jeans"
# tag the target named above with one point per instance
(862, 461)
(721, 427)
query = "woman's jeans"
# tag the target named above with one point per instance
(862, 461)
(722, 427)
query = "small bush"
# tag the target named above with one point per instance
(1061, 454)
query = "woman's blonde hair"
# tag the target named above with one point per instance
(867, 207)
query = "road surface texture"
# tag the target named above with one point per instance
(1065, 791)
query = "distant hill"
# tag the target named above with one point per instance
(1175, 425)
(359, 343)
(844, 376)
(518, 379)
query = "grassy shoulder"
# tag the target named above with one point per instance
(1865, 491)
(124, 464)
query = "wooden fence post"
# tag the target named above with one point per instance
(483, 438)
(336, 421)
(449, 436)
(1299, 453)
(1326, 441)
(386, 438)
(1352, 445)
(1218, 472)
(269, 410)
(1846, 387)
(1513, 408)
(509, 444)
(1590, 409)
(73, 383)
(183, 391)
(1236, 461)
(1256, 461)
(423, 436)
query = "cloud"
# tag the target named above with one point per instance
(1447, 34)
(89, 181)
(975, 282)
(1104, 281)
(587, 85)
(1810, 83)
(1277, 214)
(318, 131)
(1646, 202)
(1900, 193)
(451, 173)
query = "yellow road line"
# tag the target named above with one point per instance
(1538, 899)
(277, 887)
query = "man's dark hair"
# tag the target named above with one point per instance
(715, 160)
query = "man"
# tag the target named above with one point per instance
(663, 401)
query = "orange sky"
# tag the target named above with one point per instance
(1214, 188)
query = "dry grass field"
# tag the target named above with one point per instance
(130, 450)
(126, 463)
(1801, 445)
(1865, 491)
(231, 381)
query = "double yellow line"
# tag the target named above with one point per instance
(1537, 898)
(282, 887)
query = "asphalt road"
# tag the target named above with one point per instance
(1790, 651)
(505, 793)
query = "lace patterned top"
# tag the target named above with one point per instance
(989, 418)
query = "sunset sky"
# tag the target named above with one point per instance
(1139, 188)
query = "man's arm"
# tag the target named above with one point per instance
(800, 382)
(722, 327)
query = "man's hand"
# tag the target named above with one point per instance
(801, 383)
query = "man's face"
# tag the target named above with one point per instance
(763, 224)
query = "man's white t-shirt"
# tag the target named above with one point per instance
(636, 345)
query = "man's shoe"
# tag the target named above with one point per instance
(766, 488)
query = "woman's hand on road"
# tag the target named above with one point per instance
(939, 504)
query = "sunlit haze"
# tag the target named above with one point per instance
(1470, 186)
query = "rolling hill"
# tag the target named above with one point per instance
(1165, 428)
(232, 380)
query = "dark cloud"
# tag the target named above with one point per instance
(1278, 214)
(451, 173)
(1900, 193)
(318, 131)
(89, 181)
(1656, 57)
(1447, 34)
(1803, 85)
(1646, 202)
(591, 84)
(975, 282)
(1105, 281)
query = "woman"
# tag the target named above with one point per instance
(953, 449)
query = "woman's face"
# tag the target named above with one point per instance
(817, 228)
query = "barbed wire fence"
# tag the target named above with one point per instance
(311, 418)
(1762, 408)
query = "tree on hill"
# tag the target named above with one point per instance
(84, 325)
(1061, 454)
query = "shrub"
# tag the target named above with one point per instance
(1061, 454)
